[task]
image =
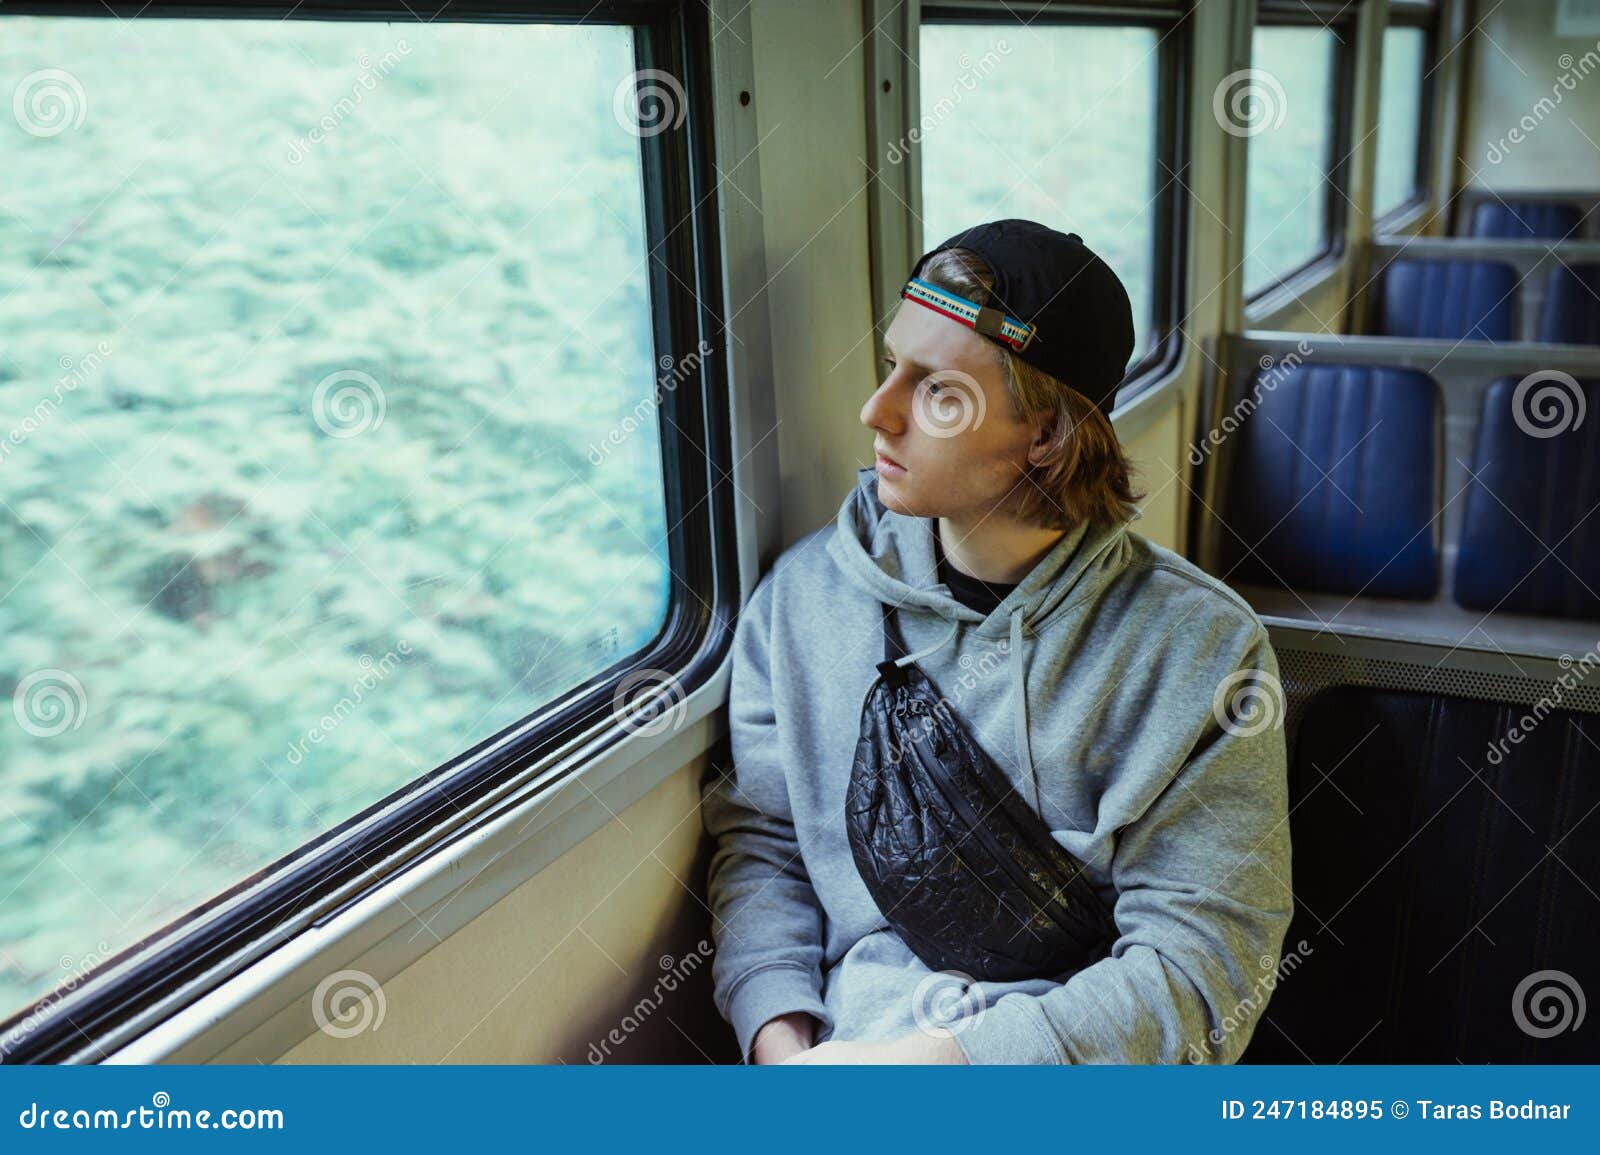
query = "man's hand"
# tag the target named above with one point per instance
(916, 1049)
(780, 1038)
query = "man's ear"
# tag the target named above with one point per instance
(1044, 442)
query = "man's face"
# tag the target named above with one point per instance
(948, 441)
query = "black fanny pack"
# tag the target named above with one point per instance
(961, 866)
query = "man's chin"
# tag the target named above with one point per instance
(893, 496)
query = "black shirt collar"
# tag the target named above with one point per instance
(974, 593)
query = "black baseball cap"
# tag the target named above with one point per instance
(1055, 304)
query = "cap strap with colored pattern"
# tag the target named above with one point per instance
(985, 319)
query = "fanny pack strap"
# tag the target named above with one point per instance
(894, 645)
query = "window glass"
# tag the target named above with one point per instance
(329, 442)
(1053, 123)
(1396, 178)
(1284, 107)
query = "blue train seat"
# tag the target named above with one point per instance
(1571, 313)
(1442, 904)
(1533, 491)
(1449, 299)
(1525, 220)
(1333, 484)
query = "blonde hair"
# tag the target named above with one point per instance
(1085, 476)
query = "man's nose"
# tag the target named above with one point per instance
(882, 410)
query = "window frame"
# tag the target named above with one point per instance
(1170, 159)
(1425, 18)
(1336, 180)
(218, 939)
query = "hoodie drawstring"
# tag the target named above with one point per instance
(955, 628)
(1019, 692)
(1019, 714)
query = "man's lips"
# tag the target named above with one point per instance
(886, 464)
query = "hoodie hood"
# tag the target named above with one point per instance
(891, 556)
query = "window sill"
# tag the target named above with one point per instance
(1151, 394)
(1398, 220)
(1263, 311)
(265, 1010)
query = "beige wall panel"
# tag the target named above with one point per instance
(1550, 98)
(548, 972)
(812, 127)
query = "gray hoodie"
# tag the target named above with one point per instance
(1100, 685)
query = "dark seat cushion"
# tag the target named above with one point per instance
(1531, 495)
(1333, 482)
(1523, 220)
(1449, 299)
(1437, 866)
(1571, 313)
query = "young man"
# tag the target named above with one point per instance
(1130, 699)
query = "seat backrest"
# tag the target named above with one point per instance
(1334, 482)
(1444, 884)
(1571, 313)
(1448, 299)
(1523, 220)
(1528, 542)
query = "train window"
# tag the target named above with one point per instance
(342, 394)
(1401, 112)
(1002, 136)
(1287, 106)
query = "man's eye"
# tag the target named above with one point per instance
(933, 385)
